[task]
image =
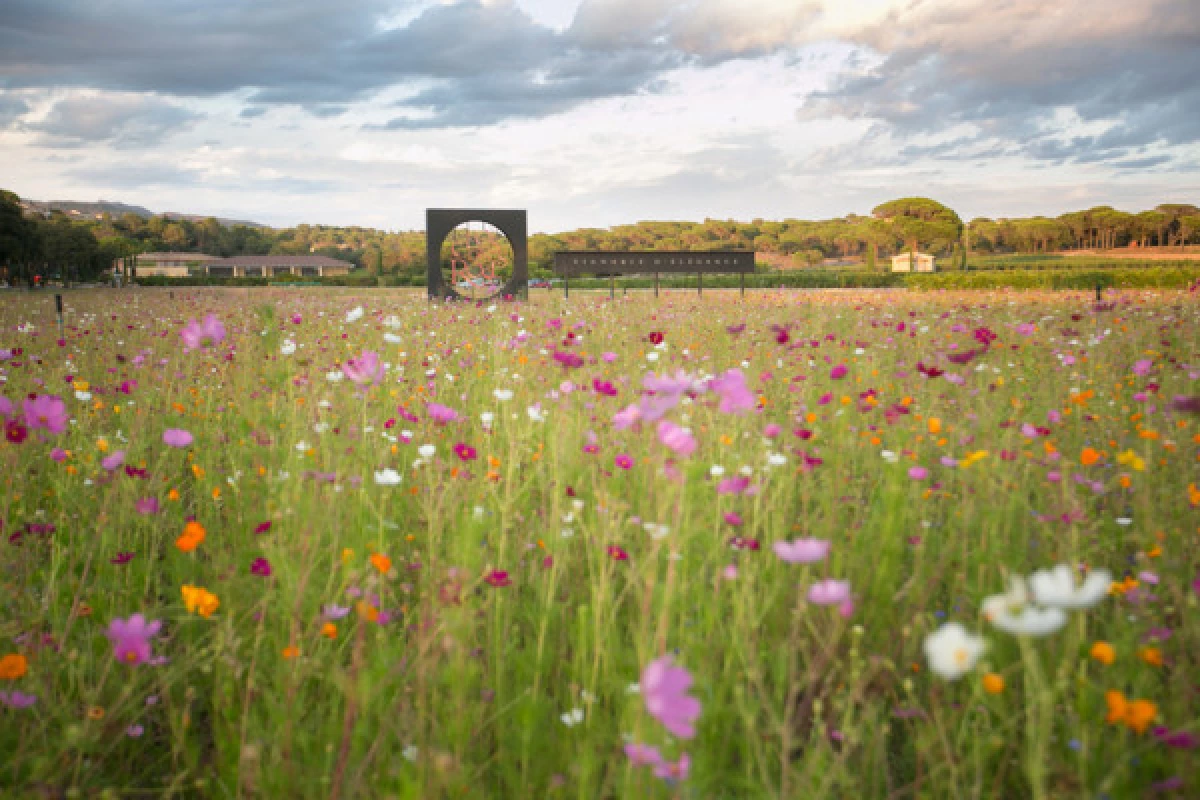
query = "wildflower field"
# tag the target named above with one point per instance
(861, 544)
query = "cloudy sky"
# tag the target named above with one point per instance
(598, 112)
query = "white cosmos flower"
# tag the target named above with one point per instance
(1012, 613)
(953, 652)
(502, 394)
(393, 321)
(84, 396)
(776, 459)
(716, 470)
(287, 348)
(355, 314)
(301, 446)
(536, 414)
(392, 338)
(889, 456)
(411, 752)
(1056, 588)
(334, 376)
(426, 450)
(572, 717)
(487, 418)
(387, 477)
(652, 356)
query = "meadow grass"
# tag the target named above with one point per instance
(474, 623)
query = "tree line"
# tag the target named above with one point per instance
(81, 249)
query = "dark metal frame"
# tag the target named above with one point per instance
(513, 223)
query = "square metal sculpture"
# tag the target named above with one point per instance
(440, 222)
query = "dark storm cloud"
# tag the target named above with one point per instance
(125, 120)
(1027, 87)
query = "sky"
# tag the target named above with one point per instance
(592, 113)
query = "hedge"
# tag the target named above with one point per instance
(1135, 278)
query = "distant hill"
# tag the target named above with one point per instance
(95, 210)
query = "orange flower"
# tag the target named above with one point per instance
(1152, 656)
(329, 630)
(1140, 714)
(1118, 707)
(935, 425)
(13, 666)
(993, 683)
(1104, 653)
(1088, 457)
(173, 494)
(199, 600)
(193, 535)
(291, 651)
(381, 563)
(368, 612)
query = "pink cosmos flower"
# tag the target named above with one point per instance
(177, 437)
(113, 461)
(735, 396)
(261, 567)
(643, 755)
(465, 451)
(623, 461)
(498, 578)
(196, 335)
(627, 417)
(46, 411)
(918, 473)
(677, 439)
(1026, 328)
(366, 370)
(441, 414)
(676, 771)
(147, 505)
(838, 372)
(131, 638)
(1142, 366)
(802, 551)
(17, 699)
(738, 484)
(58, 454)
(6, 407)
(829, 592)
(664, 689)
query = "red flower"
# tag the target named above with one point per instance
(656, 337)
(617, 554)
(15, 432)
(498, 578)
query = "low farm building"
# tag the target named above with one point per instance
(903, 262)
(171, 265)
(270, 266)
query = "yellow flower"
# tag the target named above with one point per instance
(993, 683)
(81, 386)
(13, 666)
(347, 555)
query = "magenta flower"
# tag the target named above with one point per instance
(677, 439)
(643, 755)
(498, 578)
(17, 699)
(177, 437)
(196, 334)
(730, 386)
(838, 372)
(829, 592)
(627, 417)
(46, 411)
(568, 359)
(147, 505)
(738, 484)
(918, 473)
(121, 559)
(802, 551)
(1026, 328)
(58, 454)
(261, 567)
(262, 527)
(440, 414)
(664, 689)
(6, 407)
(676, 771)
(623, 461)
(1142, 366)
(366, 370)
(113, 461)
(131, 638)
(465, 452)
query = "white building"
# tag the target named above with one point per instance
(902, 262)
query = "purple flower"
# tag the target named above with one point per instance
(17, 699)
(113, 461)
(134, 731)
(121, 558)
(366, 370)
(46, 411)
(664, 689)
(196, 335)
(1181, 740)
(58, 454)
(829, 592)
(802, 551)
(730, 386)
(147, 505)
(261, 567)
(332, 612)
(678, 440)
(131, 638)
(441, 414)
(177, 437)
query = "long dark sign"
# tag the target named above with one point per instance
(572, 263)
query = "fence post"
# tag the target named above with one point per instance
(742, 281)
(612, 287)
(699, 283)
(656, 284)
(567, 283)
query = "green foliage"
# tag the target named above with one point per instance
(1143, 278)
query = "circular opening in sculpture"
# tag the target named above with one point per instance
(477, 260)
